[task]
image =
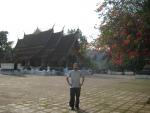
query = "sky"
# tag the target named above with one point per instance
(24, 16)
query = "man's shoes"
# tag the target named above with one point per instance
(77, 108)
(72, 108)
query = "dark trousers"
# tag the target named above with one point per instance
(74, 97)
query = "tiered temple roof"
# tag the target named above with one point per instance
(47, 44)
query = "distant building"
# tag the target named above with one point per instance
(47, 49)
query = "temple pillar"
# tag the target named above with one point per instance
(43, 64)
(27, 64)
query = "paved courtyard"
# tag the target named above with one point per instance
(50, 94)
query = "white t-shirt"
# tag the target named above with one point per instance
(75, 78)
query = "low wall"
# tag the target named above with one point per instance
(120, 73)
(142, 76)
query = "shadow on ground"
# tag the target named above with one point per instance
(82, 111)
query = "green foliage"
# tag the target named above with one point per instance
(3, 43)
(81, 39)
(91, 63)
(83, 44)
(71, 31)
(3, 40)
(5, 46)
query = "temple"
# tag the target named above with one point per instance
(42, 49)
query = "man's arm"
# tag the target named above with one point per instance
(67, 79)
(82, 80)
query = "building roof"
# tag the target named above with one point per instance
(44, 44)
(63, 47)
(37, 31)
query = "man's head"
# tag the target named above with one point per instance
(75, 66)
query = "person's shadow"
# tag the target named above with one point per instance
(82, 111)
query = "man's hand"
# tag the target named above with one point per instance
(69, 84)
(82, 81)
(67, 78)
(81, 84)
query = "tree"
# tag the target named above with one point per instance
(81, 39)
(5, 46)
(125, 32)
(83, 48)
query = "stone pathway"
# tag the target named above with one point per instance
(95, 98)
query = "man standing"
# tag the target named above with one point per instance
(75, 86)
